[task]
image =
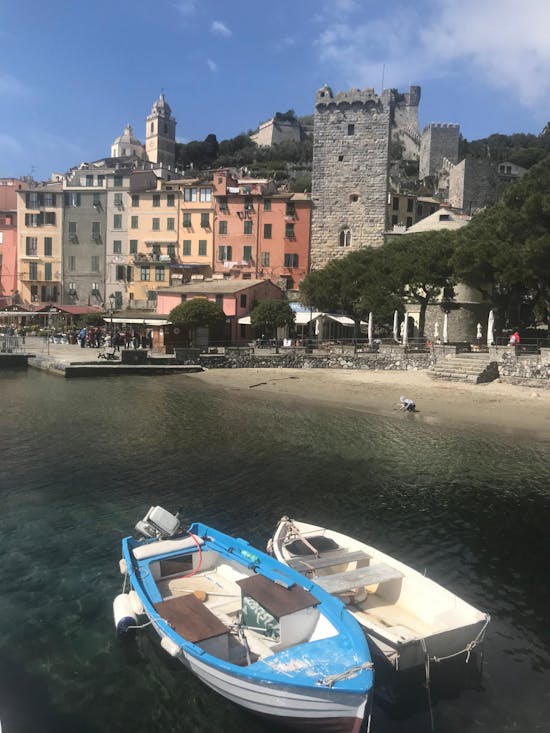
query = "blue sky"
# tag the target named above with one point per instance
(73, 73)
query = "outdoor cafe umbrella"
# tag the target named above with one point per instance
(370, 329)
(406, 330)
(396, 326)
(445, 328)
(436, 331)
(491, 329)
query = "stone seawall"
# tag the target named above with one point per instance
(294, 360)
(529, 370)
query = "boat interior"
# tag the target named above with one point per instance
(226, 608)
(377, 590)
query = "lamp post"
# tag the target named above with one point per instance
(112, 301)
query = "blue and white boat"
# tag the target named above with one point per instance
(255, 631)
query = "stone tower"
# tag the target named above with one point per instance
(439, 142)
(160, 134)
(351, 142)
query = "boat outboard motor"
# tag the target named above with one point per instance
(158, 523)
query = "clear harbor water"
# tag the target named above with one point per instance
(82, 461)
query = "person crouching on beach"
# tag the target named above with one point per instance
(407, 404)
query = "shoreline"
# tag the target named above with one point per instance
(496, 405)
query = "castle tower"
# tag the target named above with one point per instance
(160, 134)
(351, 140)
(439, 141)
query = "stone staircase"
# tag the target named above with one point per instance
(474, 368)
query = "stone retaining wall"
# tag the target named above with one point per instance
(297, 360)
(530, 370)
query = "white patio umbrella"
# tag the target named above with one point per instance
(369, 331)
(436, 331)
(406, 330)
(491, 329)
(445, 328)
(396, 326)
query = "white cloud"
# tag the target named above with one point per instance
(503, 43)
(12, 87)
(221, 29)
(186, 8)
(212, 65)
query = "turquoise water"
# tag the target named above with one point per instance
(82, 460)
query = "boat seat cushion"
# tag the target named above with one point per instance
(371, 575)
(190, 618)
(276, 599)
(312, 562)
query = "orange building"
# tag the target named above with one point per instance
(260, 233)
(8, 240)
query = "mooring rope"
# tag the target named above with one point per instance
(331, 679)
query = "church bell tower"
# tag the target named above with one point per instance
(160, 134)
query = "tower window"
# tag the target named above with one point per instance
(344, 239)
(351, 129)
(340, 158)
(152, 126)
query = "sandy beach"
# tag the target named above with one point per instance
(494, 405)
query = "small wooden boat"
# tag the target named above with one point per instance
(252, 629)
(408, 618)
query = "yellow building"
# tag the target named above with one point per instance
(196, 227)
(153, 237)
(40, 219)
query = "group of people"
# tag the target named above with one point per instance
(99, 337)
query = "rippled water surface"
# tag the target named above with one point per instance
(82, 460)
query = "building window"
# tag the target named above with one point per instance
(31, 246)
(290, 209)
(419, 210)
(267, 231)
(247, 253)
(291, 260)
(410, 204)
(95, 263)
(187, 220)
(72, 288)
(219, 300)
(248, 203)
(248, 227)
(225, 252)
(170, 199)
(120, 272)
(117, 181)
(289, 231)
(48, 271)
(49, 199)
(206, 194)
(118, 200)
(117, 221)
(33, 270)
(351, 129)
(96, 201)
(32, 200)
(96, 231)
(265, 259)
(202, 247)
(222, 203)
(133, 222)
(186, 247)
(72, 229)
(189, 194)
(171, 224)
(159, 273)
(409, 221)
(47, 246)
(72, 199)
(72, 263)
(133, 246)
(394, 220)
(395, 203)
(344, 239)
(156, 224)
(242, 300)
(100, 180)
(33, 220)
(267, 205)
(222, 227)
(49, 218)
(156, 199)
(135, 199)
(171, 250)
(117, 246)
(145, 273)
(205, 221)
(340, 158)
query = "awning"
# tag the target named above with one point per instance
(245, 320)
(141, 321)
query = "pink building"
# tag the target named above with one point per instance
(235, 297)
(8, 239)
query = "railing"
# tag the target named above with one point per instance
(10, 344)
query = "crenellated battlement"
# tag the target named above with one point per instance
(441, 126)
(324, 98)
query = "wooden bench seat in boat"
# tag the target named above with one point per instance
(371, 575)
(314, 562)
(190, 618)
(276, 599)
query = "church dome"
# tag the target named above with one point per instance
(127, 137)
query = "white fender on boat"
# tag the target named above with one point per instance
(123, 614)
(122, 566)
(135, 603)
(170, 646)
